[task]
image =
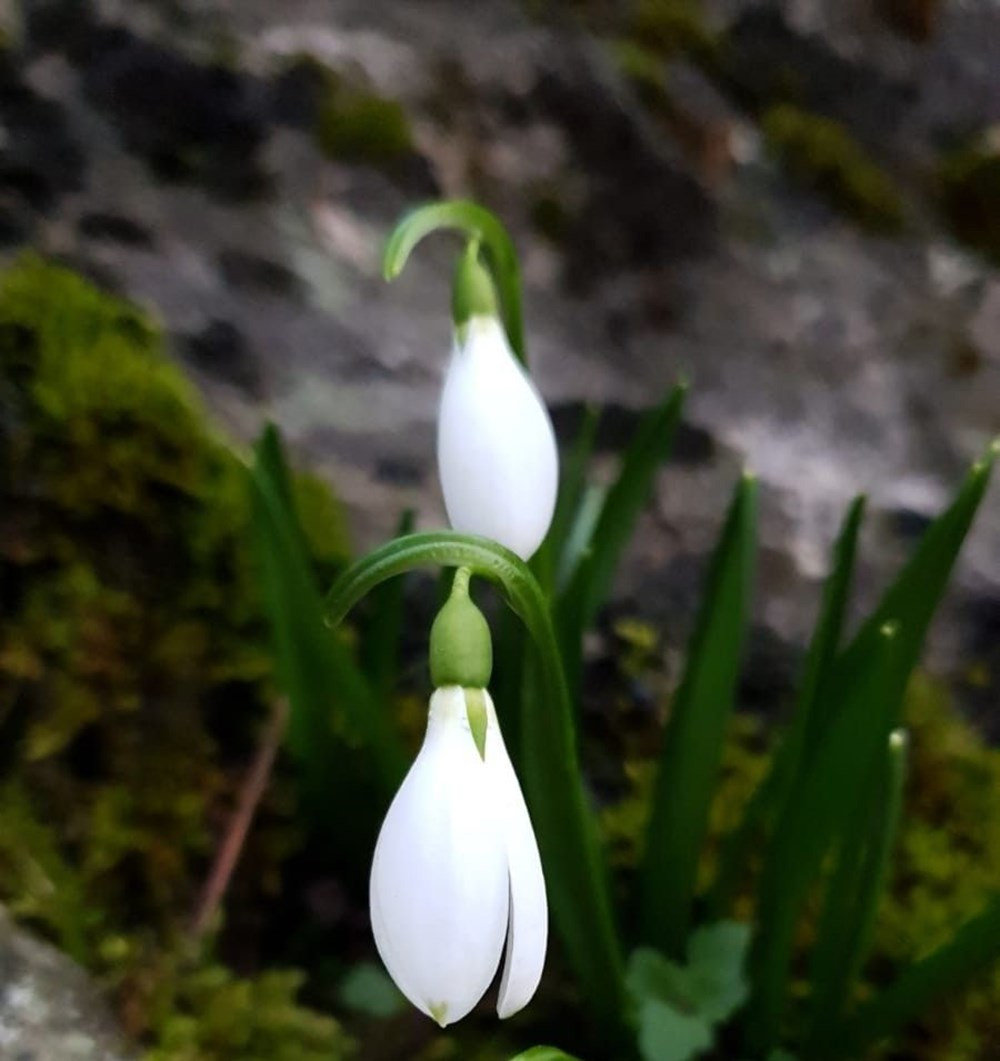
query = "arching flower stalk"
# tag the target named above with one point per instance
(456, 870)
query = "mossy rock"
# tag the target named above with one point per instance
(822, 153)
(969, 190)
(135, 665)
(672, 27)
(362, 127)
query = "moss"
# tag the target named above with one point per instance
(550, 215)
(645, 70)
(822, 153)
(134, 663)
(968, 191)
(362, 127)
(945, 866)
(672, 27)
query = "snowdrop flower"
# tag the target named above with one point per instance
(497, 454)
(456, 870)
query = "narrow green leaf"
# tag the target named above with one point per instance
(474, 222)
(384, 628)
(818, 809)
(574, 866)
(916, 592)
(572, 486)
(852, 897)
(771, 793)
(629, 495)
(578, 548)
(314, 668)
(695, 732)
(974, 948)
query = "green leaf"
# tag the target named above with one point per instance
(818, 809)
(771, 793)
(367, 989)
(717, 961)
(627, 497)
(572, 487)
(476, 223)
(852, 897)
(314, 668)
(543, 1053)
(695, 733)
(916, 592)
(712, 985)
(667, 1034)
(575, 872)
(974, 948)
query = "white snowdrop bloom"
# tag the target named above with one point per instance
(497, 454)
(457, 871)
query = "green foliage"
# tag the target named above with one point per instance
(362, 127)
(678, 1006)
(368, 989)
(969, 189)
(134, 665)
(671, 27)
(209, 1014)
(822, 153)
(692, 742)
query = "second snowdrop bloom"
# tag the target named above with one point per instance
(456, 871)
(497, 454)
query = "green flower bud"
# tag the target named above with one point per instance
(461, 647)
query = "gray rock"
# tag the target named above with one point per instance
(829, 360)
(49, 1009)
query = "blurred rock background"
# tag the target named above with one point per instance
(794, 204)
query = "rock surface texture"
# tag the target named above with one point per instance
(49, 1010)
(171, 150)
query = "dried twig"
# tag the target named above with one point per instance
(236, 833)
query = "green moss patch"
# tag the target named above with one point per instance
(969, 191)
(822, 153)
(134, 668)
(362, 127)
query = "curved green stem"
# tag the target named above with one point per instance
(574, 867)
(459, 215)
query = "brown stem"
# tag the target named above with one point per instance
(239, 825)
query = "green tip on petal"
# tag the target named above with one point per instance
(475, 709)
(438, 1012)
(473, 293)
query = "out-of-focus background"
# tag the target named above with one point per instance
(794, 204)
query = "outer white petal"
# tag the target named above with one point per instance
(529, 917)
(497, 453)
(439, 888)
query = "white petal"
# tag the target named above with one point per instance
(439, 888)
(529, 920)
(497, 453)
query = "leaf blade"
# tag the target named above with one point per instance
(820, 657)
(692, 744)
